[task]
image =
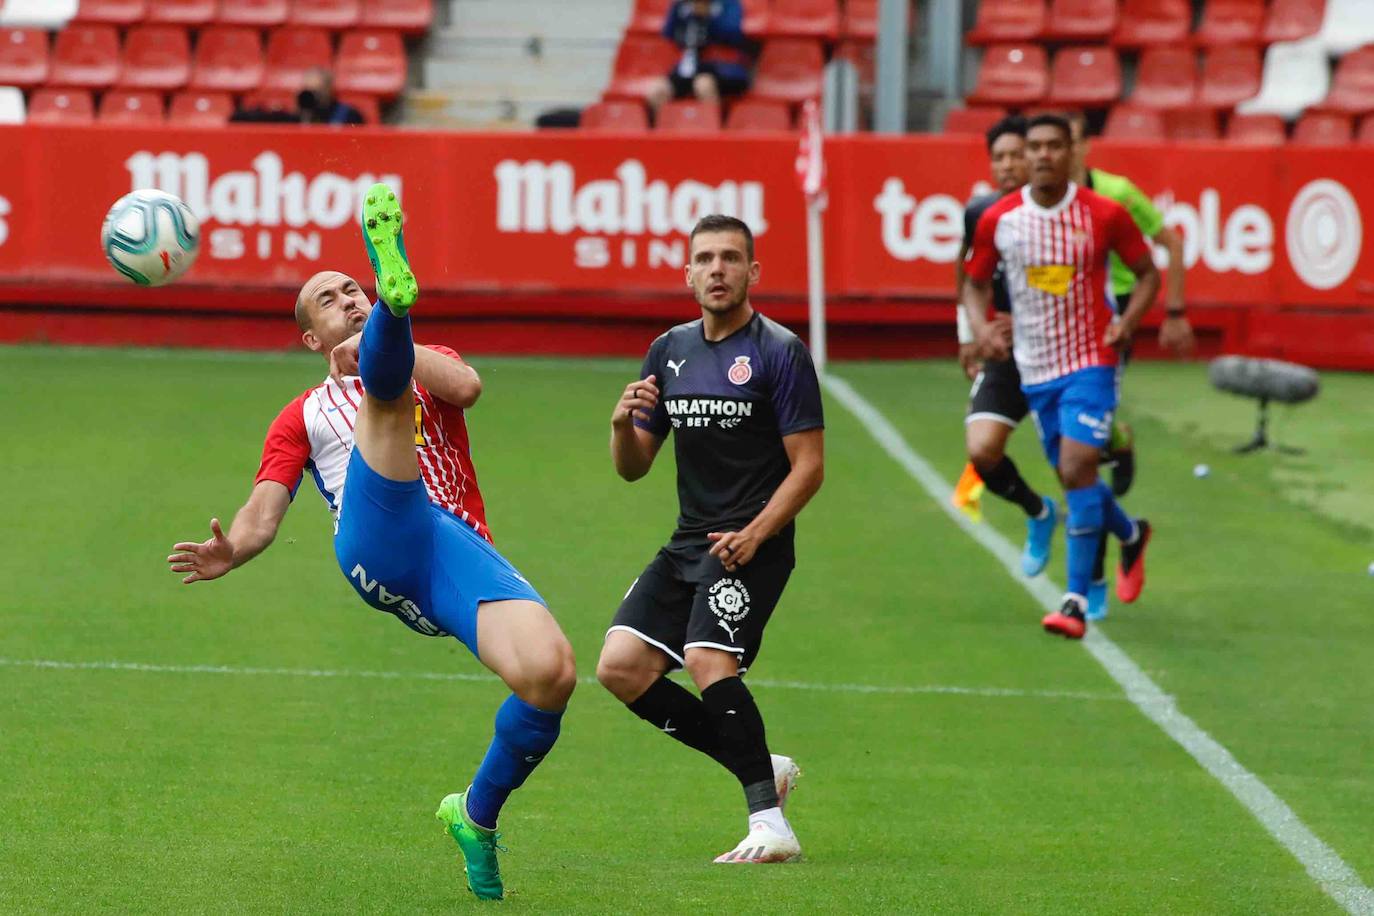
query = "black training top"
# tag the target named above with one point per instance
(973, 210)
(730, 402)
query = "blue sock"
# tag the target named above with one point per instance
(524, 734)
(1115, 518)
(1083, 530)
(386, 357)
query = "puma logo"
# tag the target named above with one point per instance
(726, 627)
(677, 367)
(666, 729)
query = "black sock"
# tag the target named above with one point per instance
(1100, 561)
(743, 745)
(1004, 480)
(676, 711)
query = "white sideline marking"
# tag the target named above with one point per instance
(1323, 864)
(899, 690)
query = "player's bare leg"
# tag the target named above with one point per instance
(986, 441)
(524, 646)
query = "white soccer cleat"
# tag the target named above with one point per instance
(785, 774)
(763, 846)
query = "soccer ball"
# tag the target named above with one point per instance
(151, 237)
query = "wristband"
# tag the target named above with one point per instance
(965, 329)
(1175, 313)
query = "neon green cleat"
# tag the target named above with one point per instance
(386, 249)
(479, 847)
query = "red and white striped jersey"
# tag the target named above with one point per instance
(314, 433)
(1055, 263)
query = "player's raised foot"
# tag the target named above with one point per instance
(785, 774)
(478, 846)
(763, 846)
(1122, 452)
(386, 249)
(1035, 556)
(1097, 601)
(1130, 577)
(1068, 621)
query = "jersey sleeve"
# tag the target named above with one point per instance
(982, 254)
(797, 391)
(1123, 236)
(1143, 211)
(287, 448)
(442, 350)
(653, 365)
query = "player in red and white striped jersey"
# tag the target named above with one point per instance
(1052, 240)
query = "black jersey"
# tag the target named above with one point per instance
(1001, 299)
(729, 403)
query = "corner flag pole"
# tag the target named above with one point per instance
(811, 177)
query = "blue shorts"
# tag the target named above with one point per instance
(1078, 405)
(408, 557)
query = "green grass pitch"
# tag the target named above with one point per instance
(235, 780)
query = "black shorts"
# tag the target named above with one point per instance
(728, 82)
(685, 599)
(996, 394)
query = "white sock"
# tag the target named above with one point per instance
(773, 818)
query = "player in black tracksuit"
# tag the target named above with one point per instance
(742, 400)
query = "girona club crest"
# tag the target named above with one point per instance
(740, 372)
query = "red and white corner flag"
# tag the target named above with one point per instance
(811, 155)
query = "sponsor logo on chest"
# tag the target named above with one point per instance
(701, 412)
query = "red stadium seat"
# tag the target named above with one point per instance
(756, 16)
(86, 56)
(1290, 20)
(805, 19)
(1012, 75)
(1088, 77)
(620, 117)
(228, 59)
(688, 116)
(291, 53)
(1166, 78)
(133, 107)
(1324, 128)
(411, 16)
(61, 106)
(325, 14)
(759, 114)
(1352, 87)
(257, 13)
(641, 63)
(790, 70)
(1365, 136)
(1081, 20)
(860, 20)
(1230, 75)
(1153, 22)
(864, 56)
(183, 12)
(156, 57)
(1230, 22)
(201, 109)
(1001, 21)
(974, 121)
(24, 57)
(1257, 130)
(367, 104)
(371, 62)
(1127, 122)
(114, 12)
(1192, 124)
(278, 100)
(648, 16)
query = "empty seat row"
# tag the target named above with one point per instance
(688, 116)
(826, 19)
(406, 15)
(1140, 23)
(226, 58)
(788, 69)
(186, 109)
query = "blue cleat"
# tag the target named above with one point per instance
(1097, 601)
(1039, 532)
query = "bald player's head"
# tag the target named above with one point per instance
(330, 308)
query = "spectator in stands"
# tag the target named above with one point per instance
(319, 106)
(715, 54)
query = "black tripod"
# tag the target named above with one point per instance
(1261, 437)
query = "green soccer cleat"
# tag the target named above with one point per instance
(386, 249)
(478, 845)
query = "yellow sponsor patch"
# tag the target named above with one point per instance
(1051, 278)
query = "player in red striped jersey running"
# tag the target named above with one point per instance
(1052, 240)
(385, 440)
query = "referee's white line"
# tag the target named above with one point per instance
(894, 689)
(1326, 867)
